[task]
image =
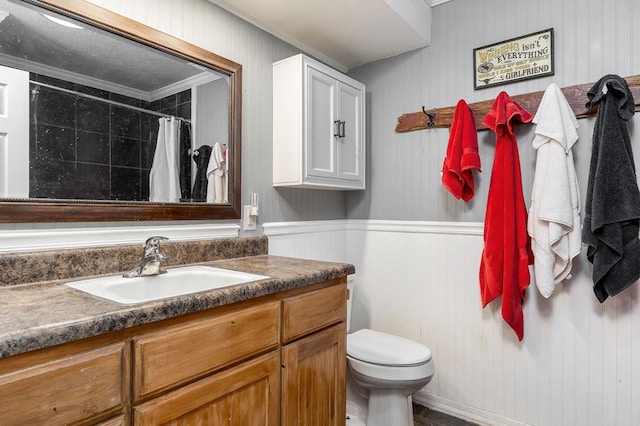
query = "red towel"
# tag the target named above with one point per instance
(462, 153)
(507, 247)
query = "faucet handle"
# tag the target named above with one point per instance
(152, 245)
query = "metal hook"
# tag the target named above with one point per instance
(431, 116)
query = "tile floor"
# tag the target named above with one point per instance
(423, 416)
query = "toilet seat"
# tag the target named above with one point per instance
(390, 375)
(384, 349)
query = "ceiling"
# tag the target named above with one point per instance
(342, 33)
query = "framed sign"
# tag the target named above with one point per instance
(517, 59)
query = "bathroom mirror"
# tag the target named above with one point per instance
(100, 118)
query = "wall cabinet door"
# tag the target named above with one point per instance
(320, 139)
(333, 131)
(313, 379)
(248, 394)
(350, 143)
(318, 126)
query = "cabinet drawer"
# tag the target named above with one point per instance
(176, 355)
(311, 311)
(247, 394)
(64, 391)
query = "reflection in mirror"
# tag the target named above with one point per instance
(99, 123)
(105, 119)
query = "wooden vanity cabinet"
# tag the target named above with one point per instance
(276, 360)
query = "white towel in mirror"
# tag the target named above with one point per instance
(217, 176)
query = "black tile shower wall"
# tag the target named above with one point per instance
(87, 149)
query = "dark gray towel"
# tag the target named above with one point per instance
(201, 157)
(612, 210)
(185, 161)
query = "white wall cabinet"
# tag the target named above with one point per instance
(318, 126)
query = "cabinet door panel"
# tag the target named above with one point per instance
(313, 379)
(248, 394)
(320, 142)
(350, 149)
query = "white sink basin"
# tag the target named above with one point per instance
(176, 282)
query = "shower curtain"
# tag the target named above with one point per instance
(164, 178)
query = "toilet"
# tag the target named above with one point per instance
(385, 370)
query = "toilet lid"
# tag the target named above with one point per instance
(386, 349)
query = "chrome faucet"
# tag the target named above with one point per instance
(150, 264)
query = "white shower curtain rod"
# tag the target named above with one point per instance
(108, 101)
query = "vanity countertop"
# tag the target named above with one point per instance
(40, 315)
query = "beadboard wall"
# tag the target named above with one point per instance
(577, 365)
(591, 38)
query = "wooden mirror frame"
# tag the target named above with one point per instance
(32, 210)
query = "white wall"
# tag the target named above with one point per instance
(579, 362)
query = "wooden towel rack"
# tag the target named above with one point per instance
(441, 117)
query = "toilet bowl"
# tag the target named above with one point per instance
(386, 370)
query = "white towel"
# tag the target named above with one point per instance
(554, 216)
(216, 175)
(164, 177)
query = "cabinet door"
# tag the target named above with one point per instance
(248, 394)
(350, 144)
(313, 379)
(319, 139)
(14, 130)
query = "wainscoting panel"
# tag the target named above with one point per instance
(578, 362)
(318, 240)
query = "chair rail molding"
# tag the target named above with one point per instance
(418, 227)
(25, 240)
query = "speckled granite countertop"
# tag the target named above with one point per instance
(36, 316)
